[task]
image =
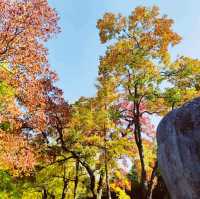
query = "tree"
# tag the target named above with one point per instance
(98, 147)
(25, 27)
(134, 59)
(183, 77)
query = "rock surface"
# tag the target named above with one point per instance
(178, 137)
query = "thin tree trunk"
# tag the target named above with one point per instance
(150, 184)
(107, 177)
(65, 184)
(76, 178)
(100, 186)
(52, 196)
(138, 138)
(92, 178)
(106, 160)
(84, 164)
(44, 195)
(143, 178)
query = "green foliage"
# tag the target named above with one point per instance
(5, 126)
(9, 188)
(133, 175)
(6, 95)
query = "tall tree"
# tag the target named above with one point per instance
(25, 27)
(135, 58)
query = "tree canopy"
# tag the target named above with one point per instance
(97, 147)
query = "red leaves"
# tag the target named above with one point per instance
(16, 154)
(25, 26)
(127, 110)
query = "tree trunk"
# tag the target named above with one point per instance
(136, 190)
(150, 184)
(160, 190)
(44, 195)
(143, 179)
(92, 179)
(87, 167)
(65, 184)
(100, 186)
(107, 177)
(76, 178)
(138, 138)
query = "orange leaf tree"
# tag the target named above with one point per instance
(25, 27)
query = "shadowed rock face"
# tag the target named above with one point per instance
(178, 137)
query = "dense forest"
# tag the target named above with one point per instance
(98, 147)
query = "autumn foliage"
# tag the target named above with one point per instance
(98, 147)
(25, 26)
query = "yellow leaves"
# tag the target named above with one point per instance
(188, 94)
(83, 117)
(94, 140)
(31, 194)
(121, 194)
(123, 54)
(110, 25)
(120, 183)
(106, 26)
(155, 31)
(145, 28)
(106, 93)
(121, 146)
(186, 65)
(165, 34)
(184, 76)
(138, 56)
(143, 16)
(149, 156)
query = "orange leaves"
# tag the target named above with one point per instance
(141, 15)
(165, 34)
(106, 25)
(25, 26)
(110, 25)
(16, 154)
(150, 32)
(138, 52)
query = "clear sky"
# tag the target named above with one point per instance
(74, 53)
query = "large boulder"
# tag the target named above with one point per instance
(178, 137)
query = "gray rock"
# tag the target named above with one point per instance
(178, 137)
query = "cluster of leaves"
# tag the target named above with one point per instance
(98, 147)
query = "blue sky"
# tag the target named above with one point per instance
(74, 53)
